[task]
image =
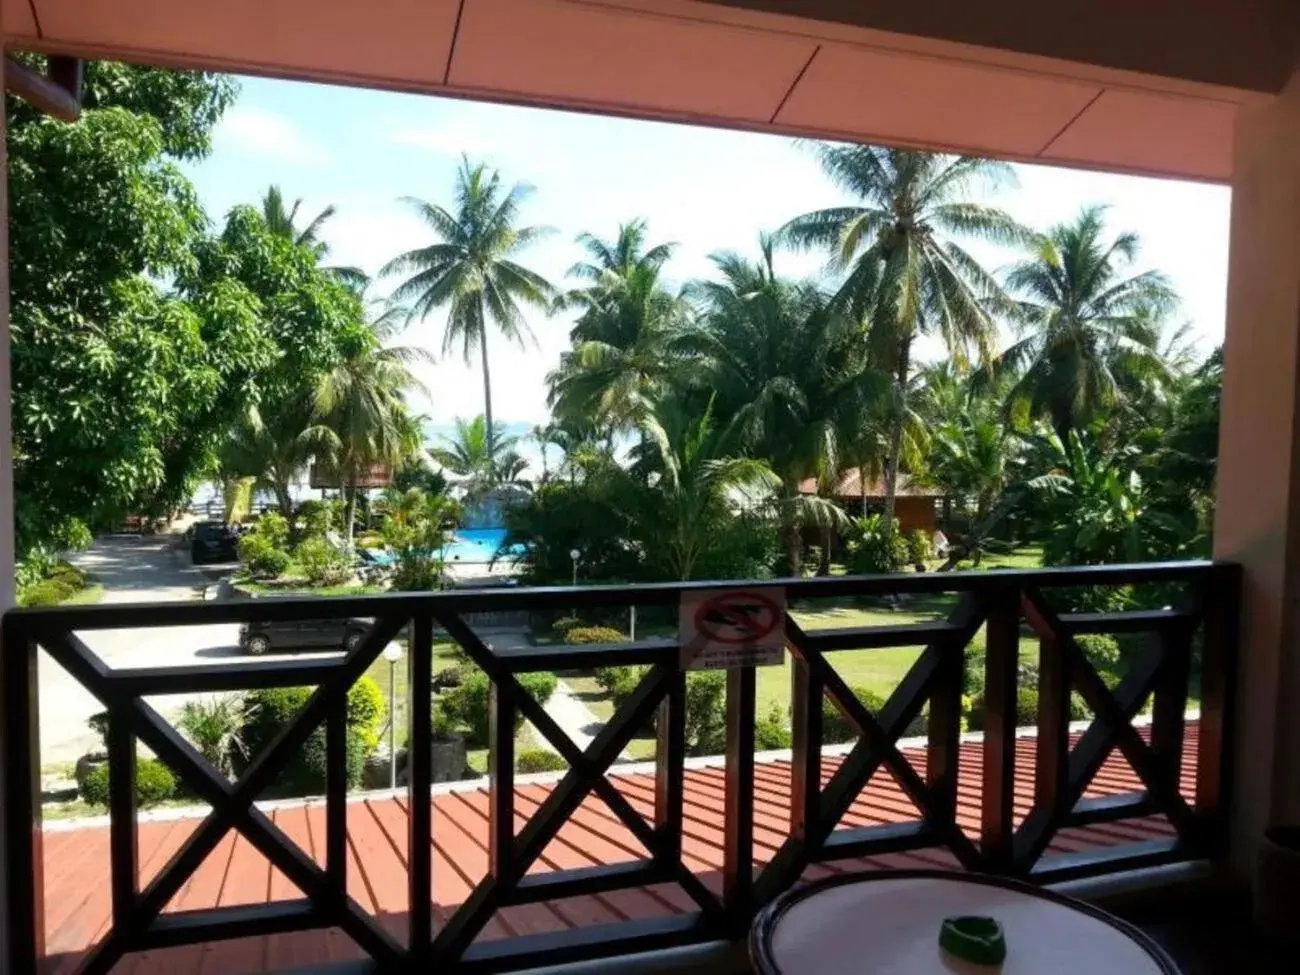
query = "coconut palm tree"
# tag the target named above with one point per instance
(789, 374)
(696, 467)
(1089, 327)
(904, 272)
(283, 222)
(469, 454)
(469, 270)
(620, 358)
(362, 415)
(274, 448)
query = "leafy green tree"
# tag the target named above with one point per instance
(905, 274)
(480, 461)
(363, 417)
(621, 359)
(1089, 327)
(417, 527)
(274, 450)
(283, 222)
(122, 389)
(789, 375)
(469, 269)
(1095, 508)
(696, 473)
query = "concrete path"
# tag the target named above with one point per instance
(574, 717)
(131, 569)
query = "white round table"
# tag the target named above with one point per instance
(887, 923)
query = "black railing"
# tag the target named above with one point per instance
(1004, 604)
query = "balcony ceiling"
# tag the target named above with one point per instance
(708, 62)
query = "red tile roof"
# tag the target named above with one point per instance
(76, 858)
(850, 486)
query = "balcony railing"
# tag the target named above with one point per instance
(1196, 632)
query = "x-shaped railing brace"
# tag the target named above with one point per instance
(232, 804)
(587, 774)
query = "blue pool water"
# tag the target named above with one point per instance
(477, 545)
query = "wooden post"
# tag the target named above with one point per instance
(1002, 647)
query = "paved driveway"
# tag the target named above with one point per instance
(132, 570)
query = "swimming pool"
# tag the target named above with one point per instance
(477, 545)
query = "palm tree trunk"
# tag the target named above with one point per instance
(828, 539)
(350, 510)
(284, 500)
(487, 407)
(792, 537)
(896, 435)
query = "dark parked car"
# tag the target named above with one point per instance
(341, 634)
(211, 541)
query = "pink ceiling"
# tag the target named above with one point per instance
(406, 40)
(1144, 131)
(934, 102)
(18, 19)
(562, 50)
(675, 59)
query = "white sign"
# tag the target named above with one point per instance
(724, 628)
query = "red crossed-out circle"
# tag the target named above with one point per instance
(737, 618)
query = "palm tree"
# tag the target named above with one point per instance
(905, 275)
(790, 376)
(1089, 330)
(274, 448)
(697, 467)
(283, 222)
(620, 358)
(471, 455)
(362, 414)
(469, 270)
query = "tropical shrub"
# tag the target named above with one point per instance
(870, 551)
(154, 783)
(920, 548)
(322, 563)
(316, 519)
(619, 682)
(270, 710)
(1101, 649)
(770, 731)
(261, 557)
(215, 726)
(706, 724)
(580, 635)
(539, 760)
(564, 624)
(837, 728)
(47, 592)
(466, 706)
(274, 527)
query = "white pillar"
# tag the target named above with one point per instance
(1258, 515)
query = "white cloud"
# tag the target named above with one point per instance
(260, 132)
(446, 140)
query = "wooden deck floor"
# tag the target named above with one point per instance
(76, 859)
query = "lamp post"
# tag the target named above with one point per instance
(392, 653)
(575, 554)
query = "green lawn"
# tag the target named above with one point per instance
(262, 589)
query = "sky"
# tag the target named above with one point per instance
(706, 190)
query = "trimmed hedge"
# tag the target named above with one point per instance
(584, 635)
(539, 760)
(770, 731)
(270, 710)
(466, 706)
(154, 783)
(836, 728)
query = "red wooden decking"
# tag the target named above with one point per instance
(76, 859)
